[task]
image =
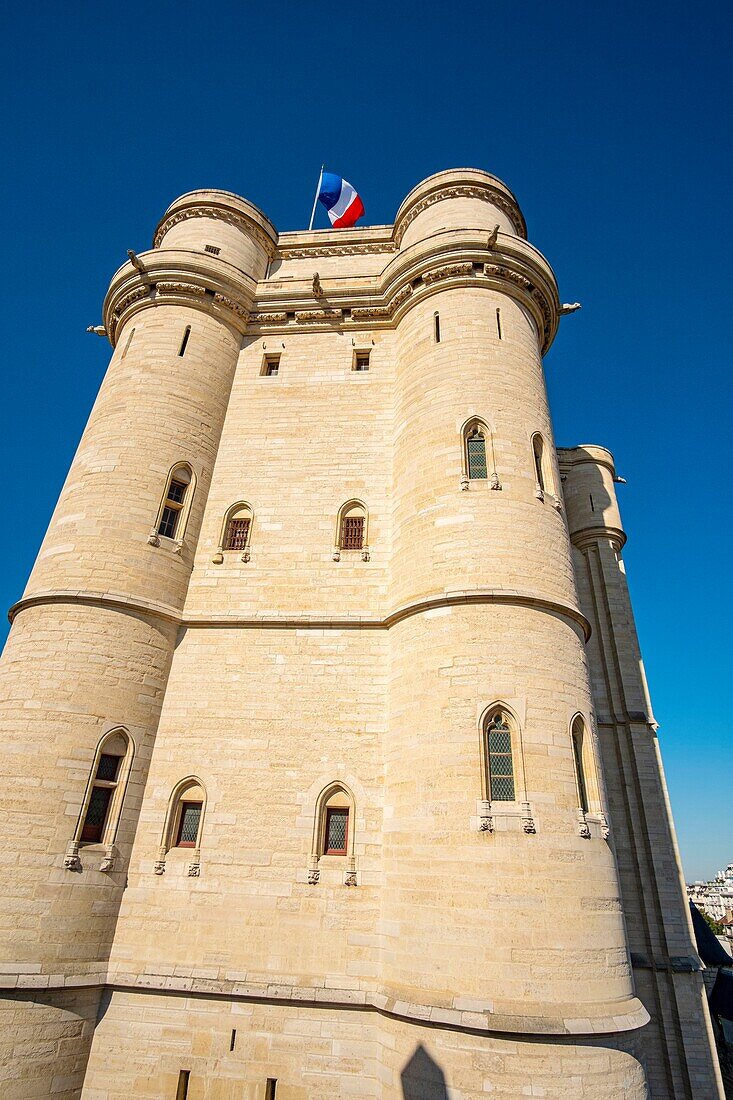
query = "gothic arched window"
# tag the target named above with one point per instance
(578, 738)
(176, 504)
(106, 789)
(499, 757)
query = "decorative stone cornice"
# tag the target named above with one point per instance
(181, 288)
(305, 250)
(599, 1017)
(483, 191)
(448, 271)
(318, 316)
(200, 284)
(219, 213)
(311, 620)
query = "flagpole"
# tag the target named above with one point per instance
(318, 190)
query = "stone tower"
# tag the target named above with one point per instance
(328, 762)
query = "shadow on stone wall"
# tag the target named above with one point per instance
(422, 1078)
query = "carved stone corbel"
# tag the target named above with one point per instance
(218, 557)
(314, 871)
(245, 555)
(583, 826)
(485, 820)
(153, 538)
(108, 859)
(465, 482)
(71, 859)
(159, 865)
(336, 555)
(365, 554)
(557, 504)
(350, 873)
(539, 492)
(528, 824)
(495, 483)
(605, 827)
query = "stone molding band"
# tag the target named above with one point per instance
(356, 621)
(599, 1018)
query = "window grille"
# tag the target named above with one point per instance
(476, 448)
(96, 814)
(361, 363)
(501, 770)
(337, 827)
(237, 533)
(212, 249)
(108, 766)
(188, 825)
(352, 533)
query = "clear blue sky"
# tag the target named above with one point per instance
(610, 121)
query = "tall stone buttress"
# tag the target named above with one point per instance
(350, 641)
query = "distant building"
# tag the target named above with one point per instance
(715, 897)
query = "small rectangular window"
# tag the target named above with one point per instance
(168, 522)
(271, 366)
(182, 1090)
(270, 1088)
(108, 766)
(337, 827)
(436, 327)
(188, 825)
(212, 249)
(361, 361)
(176, 491)
(96, 814)
(352, 533)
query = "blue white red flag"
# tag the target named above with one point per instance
(340, 199)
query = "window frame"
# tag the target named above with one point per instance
(117, 788)
(359, 510)
(181, 508)
(183, 804)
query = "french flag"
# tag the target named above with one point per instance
(341, 200)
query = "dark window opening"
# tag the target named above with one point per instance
(96, 815)
(212, 248)
(270, 1088)
(361, 362)
(169, 522)
(498, 323)
(578, 756)
(182, 1090)
(108, 767)
(352, 533)
(436, 328)
(237, 532)
(176, 491)
(127, 345)
(233, 1039)
(271, 366)
(538, 449)
(592, 505)
(337, 830)
(188, 824)
(184, 341)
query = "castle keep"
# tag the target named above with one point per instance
(328, 763)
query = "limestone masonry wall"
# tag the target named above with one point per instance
(458, 689)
